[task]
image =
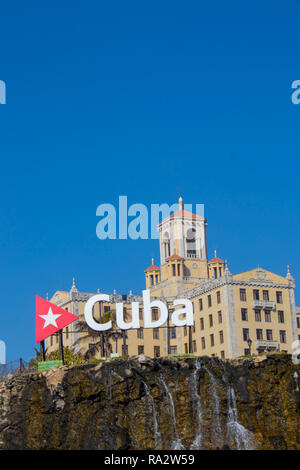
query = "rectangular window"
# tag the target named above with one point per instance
(194, 346)
(298, 322)
(244, 313)
(67, 332)
(140, 349)
(200, 304)
(174, 269)
(155, 333)
(267, 316)
(279, 297)
(221, 337)
(282, 335)
(220, 316)
(212, 340)
(156, 351)
(280, 316)
(140, 333)
(141, 314)
(178, 269)
(247, 352)
(269, 335)
(185, 330)
(243, 295)
(265, 295)
(106, 308)
(173, 349)
(255, 294)
(186, 349)
(173, 332)
(209, 300)
(245, 334)
(218, 297)
(194, 328)
(202, 323)
(154, 314)
(203, 342)
(124, 349)
(257, 314)
(222, 354)
(210, 320)
(259, 334)
(51, 340)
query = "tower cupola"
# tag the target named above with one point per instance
(152, 275)
(215, 267)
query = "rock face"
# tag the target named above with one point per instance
(144, 403)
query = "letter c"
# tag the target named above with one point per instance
(88, 313)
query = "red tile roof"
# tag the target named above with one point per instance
(175, 256)
(216, 260)
(183, 213)
(152, 268)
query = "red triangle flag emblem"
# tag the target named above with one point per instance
(50, 318)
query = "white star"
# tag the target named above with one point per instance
(50, 318)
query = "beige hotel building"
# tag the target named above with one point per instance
(234, 314)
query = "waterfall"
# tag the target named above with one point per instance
(196, 444)
(216, 410)
(237, 434)
(156, 433)
(176, 444)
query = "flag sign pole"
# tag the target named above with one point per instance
(42, 349)
(50, 320)
(61, 347)
(42, 344)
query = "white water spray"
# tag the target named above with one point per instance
(156, 433)
(216, 410)
(196, 444)
(237, 434)
(176, 444)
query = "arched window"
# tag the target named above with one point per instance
(191, 242)
(166, 245)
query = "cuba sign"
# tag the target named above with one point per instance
(183, 316)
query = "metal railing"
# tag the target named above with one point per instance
(14, 368)
(267, 344)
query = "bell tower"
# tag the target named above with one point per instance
(184, 234)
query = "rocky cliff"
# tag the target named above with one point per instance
(143, 403)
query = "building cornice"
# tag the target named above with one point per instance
(227, 280)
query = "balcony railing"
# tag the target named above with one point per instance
(267, 344)
(192, 255)
(265, 304)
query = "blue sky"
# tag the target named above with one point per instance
(140, 99)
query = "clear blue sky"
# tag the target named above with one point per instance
(141, 98)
